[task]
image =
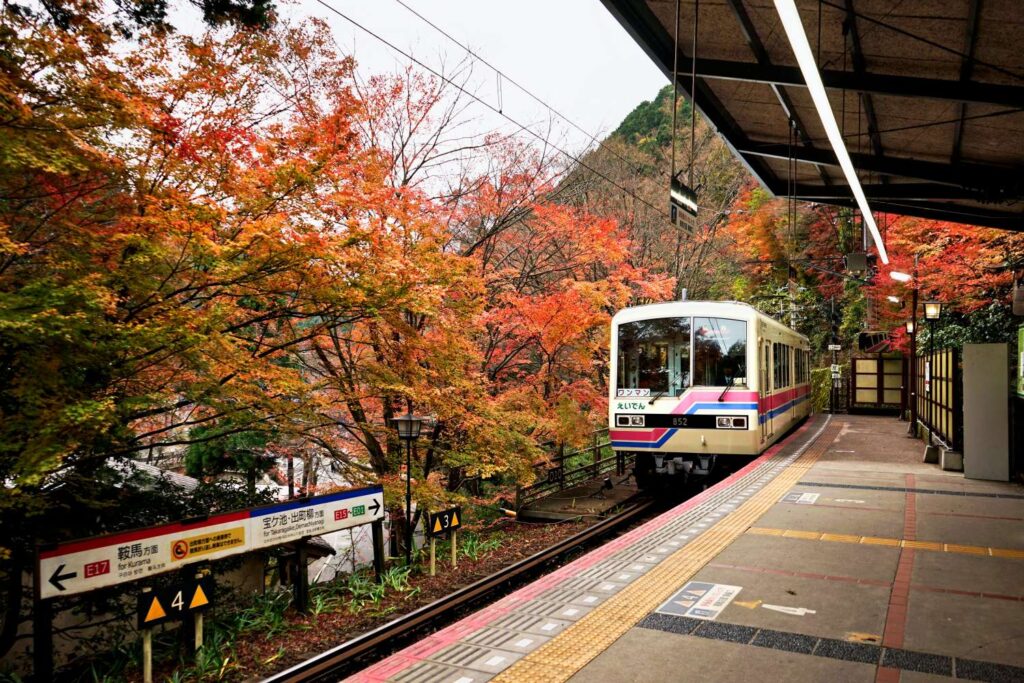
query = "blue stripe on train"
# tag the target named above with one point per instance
(712, 406)
(645, 444)
(783, 408)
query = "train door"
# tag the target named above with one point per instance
(765, 389)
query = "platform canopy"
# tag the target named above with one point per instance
(929, 95)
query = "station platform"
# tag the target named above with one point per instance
(836, 555)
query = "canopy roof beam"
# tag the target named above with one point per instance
(997, 184)
(876, 84)
(761, 54)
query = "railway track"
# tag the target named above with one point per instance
(359, 652)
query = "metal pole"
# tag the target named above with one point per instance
(377, 531)
(433, 557)
(913, 357)
(931, 382)
(291, 477)
(408, 502)
(301, 578)
(455, 552)
(147, 655)
(835, 360)
(42, 638)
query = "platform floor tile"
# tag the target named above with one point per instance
(671, 658)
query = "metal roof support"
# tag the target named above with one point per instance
(761, 54)
(877, 84)
(998, 184)
(966, 66)
(859, 68)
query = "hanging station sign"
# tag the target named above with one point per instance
(682, 208)
(88, 564)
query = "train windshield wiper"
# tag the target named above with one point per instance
(728, 386)
(658, 395)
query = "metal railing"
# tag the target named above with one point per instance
(939, 395)
(572, 468)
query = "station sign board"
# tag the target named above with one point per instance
(88, 564)
(176, 602)
(445, 521)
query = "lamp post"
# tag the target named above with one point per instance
(912, 331)
(932, 311)
(408, 427)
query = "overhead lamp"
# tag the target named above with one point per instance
(893, 299)
(805, 58)
(910, 327)
(932, 310)
(900, 277)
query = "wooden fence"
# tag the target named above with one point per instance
(939, 395)
(572, 468)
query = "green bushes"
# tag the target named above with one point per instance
(821, 381)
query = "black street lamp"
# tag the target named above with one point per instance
(408, 427)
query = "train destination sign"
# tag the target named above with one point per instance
(85, 565)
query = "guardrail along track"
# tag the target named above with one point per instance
(341, 660)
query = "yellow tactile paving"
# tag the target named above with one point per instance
(561, 657)
(934, 546)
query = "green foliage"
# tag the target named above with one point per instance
(473, 547)
(994, 323)
(821, 383)
(226, 448)
(649, 125)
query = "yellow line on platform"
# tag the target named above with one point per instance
(560, 658)
(934, 546)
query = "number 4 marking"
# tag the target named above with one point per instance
(178, 603)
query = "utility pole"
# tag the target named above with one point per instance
(835, 357)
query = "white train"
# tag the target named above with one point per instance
(692, 381)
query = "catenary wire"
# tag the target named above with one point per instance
(483, 102)
(505, 77)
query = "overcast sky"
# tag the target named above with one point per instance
(571, 53)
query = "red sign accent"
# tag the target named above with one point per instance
(96, 568)
(180, 550)
(340, 514)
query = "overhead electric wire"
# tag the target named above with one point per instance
(502, 75)
(483, 102)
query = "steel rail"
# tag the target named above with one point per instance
(328, 664)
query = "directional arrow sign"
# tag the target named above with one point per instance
(88, 564)
(57, 578)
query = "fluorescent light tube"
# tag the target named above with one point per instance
(900, 277)
(805, 58)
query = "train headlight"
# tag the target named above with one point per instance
(629, 420)
(730, 422)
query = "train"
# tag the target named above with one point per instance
(694, 382)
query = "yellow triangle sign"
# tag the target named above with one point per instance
(156, 611)
(437, 525)
(199, 599)
(455, 519)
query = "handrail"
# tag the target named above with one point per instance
(556, 477)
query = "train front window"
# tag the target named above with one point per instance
(654, 356)
(720, 352)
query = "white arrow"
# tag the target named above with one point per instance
(848, 500)
(795, 611)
